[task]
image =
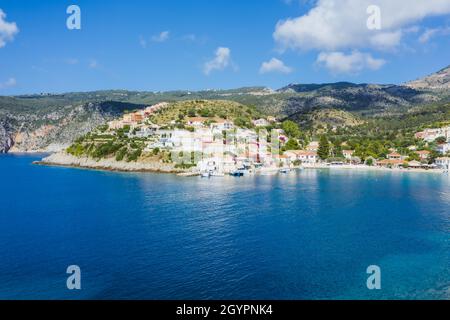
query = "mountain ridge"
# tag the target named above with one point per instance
(40, 122)
(436, 81)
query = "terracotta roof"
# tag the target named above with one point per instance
(423, 152)
(414, 164)
(304, 153)
(218, 120)
(389, 161)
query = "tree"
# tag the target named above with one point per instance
(441, 140)
(291, 128)
(324, 148)
(192, 113)
(292, 144)
(206, 113)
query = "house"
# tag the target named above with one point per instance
(302, 155)
(432, 134)
(292, 155)
(137, 117)
(443, 148)
(261, 123)
(395, 163)
(216, 164)
(154, 108)
(348, 154)
(283, 160)
(423, 154)
(145, 131)
(394, 156)
(221, 125)
(415, 164)
(197, 121)
(443, 163)
(213, 148)
(313, 146)
(308, 157)
(115, 125)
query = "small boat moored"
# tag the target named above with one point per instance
(205, 174)
(237, 173)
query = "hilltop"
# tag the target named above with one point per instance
(153, 137)
(436, 81)
(212, 109)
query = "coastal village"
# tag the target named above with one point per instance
(212, 145)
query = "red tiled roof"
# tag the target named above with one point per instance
(389, 161)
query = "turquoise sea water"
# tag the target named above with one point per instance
(307, 235)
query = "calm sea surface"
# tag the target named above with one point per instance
(307, 235)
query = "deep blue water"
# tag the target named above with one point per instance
(309, 235)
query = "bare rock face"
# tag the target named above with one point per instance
(436, 81)
(6, 140)
(51, 130)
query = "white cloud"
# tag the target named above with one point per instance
(274, 65)
(221, 61)
(342, 24)
(386, 40)
(340, 63)
(142, 42)
(7, 29)
(435, 32)
(93, 64)
(163, 36)
(190, 37)
(11, 82)
(72, 61)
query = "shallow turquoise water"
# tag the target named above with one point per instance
(309, 235)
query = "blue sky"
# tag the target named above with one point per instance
(202, 44)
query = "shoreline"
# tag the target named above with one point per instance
(69, 161)
(375, 168)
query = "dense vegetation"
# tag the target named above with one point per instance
(376, 137)
(179, 112)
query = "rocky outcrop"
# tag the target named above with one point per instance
(65, 159)
(6, 140)
(436, 81)
(51, 129)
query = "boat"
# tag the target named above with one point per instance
(216, 174)
(285, 170)
(237, 173)
(205, 174)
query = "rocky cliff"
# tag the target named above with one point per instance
(33, 129)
